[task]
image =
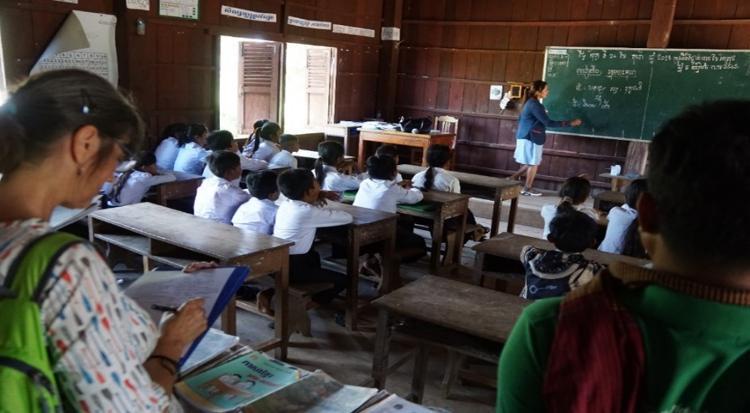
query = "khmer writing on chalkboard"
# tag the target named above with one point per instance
(628, 93)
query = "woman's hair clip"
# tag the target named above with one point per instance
(85, 102)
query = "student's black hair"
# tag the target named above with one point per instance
(437, 157)
(575, 190)
(262, 184)
(287, 139)
(219, 140)
(381, 167)
(256, 128)
(144, 158)
(193, 131)
(634, 191)
(221, 162)
(267, 132)
(632, 246)
(699, 176)
(572, 231)
(174, 130)
(50, 105)
(293, 183)
(329, 152)
(387, 150)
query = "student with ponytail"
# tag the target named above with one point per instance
(166, 152)
(435, 177)
(62, 135)
(573, 193)
(192, 155)
(326, 169)
(130, 187)
(250, 145)
(265, 146)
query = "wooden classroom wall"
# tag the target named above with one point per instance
(453, 50)
(172, 70)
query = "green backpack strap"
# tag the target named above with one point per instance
(26, 374)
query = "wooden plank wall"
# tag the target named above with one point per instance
(172, 71)
(453, 50)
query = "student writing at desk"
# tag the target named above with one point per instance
(675, 337)
(105, 352)
(166, 152)
(191, 157)
(130, 187)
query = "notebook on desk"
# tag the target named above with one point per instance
(217, 286)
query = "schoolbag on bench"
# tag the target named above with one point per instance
(27, 382)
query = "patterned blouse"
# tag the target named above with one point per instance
(100, 337)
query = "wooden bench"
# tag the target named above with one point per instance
(509, 246)
(500, 190)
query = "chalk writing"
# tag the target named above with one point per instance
(588, 71)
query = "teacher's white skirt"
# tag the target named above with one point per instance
(527, 152)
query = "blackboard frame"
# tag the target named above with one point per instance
(629, 49)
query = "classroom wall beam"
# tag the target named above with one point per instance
(388, 65)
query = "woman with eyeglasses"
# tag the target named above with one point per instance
(64, 133)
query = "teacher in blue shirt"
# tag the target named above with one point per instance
(531, 135)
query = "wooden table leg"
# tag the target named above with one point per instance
(478, 268)
(420, 371)
(424, 155)
(361, 154)
(388, 266)
(437, 239)
(352, 271)
(380, 356)
(282, 310)
(512, 214)
(497, 208)
(229, 318)
(459, 244)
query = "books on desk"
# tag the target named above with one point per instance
(217, 286)
(62, 216)
(256, 383)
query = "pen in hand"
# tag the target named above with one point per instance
(164, 308)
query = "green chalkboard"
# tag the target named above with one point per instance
(628, 93)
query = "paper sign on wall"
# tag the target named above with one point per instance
(85, 41)
(308, 24)
(186, 9)
(355, 31)
(138, 4)
(390, 33)
(248, 14)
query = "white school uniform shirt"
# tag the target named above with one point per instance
(256, 215)
(137, 185)
(246, 164)
(166, 153)
(549, 212)
(385, 195)
(218, 199)
(191, 159)
(442, 181)
(619, 219)
(266, 150)
(297, 220)
(338, 182)
(283, 159)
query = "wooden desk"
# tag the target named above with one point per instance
(509, 246)
(460, 307)
(164, 235)
(307, 154)
(447, 205)
(502, 189)
(418, 140)
(619, 181)
(185, 186)
(347, 134)
(369, 227)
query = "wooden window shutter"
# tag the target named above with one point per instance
(259, 77)
(318, 86)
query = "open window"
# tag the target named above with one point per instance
(249, 83)
(309, 83)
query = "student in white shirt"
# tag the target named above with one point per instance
(297, 219)
(285, 159)
(392, 151)
(130, 187)
(219, 197)
(574, 191)
(192, 155)
(223, 140)
(264, 146)
(380, 191)
(166, 152)
(331, 157)
(249, 146)
(620, 218)
(259, 213)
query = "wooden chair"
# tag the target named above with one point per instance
(444, 123)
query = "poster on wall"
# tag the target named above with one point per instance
(85, 41)
(184, 9)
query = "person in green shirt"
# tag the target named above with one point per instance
(671, 338)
